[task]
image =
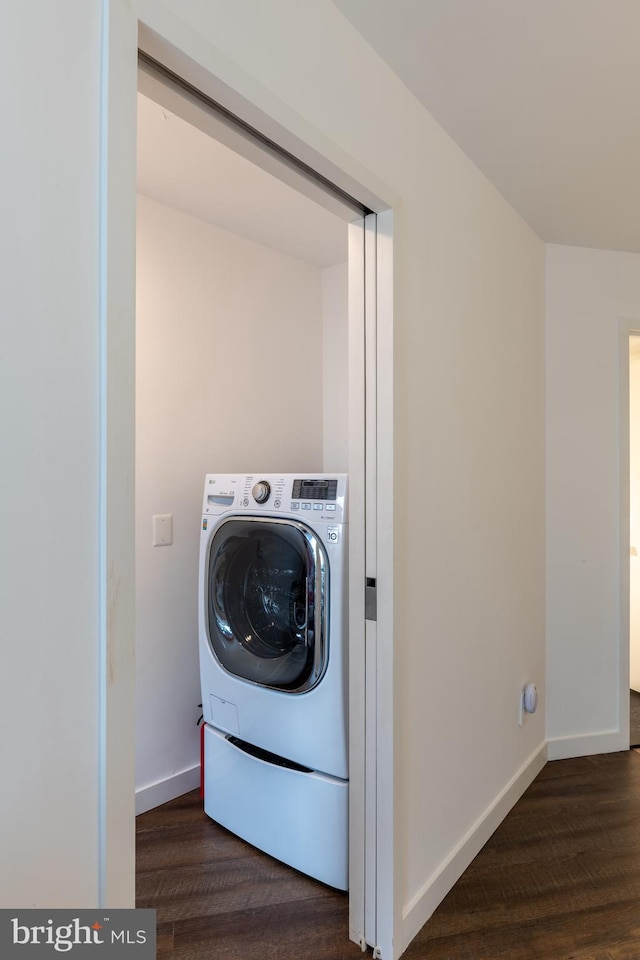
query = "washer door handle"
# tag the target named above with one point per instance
(306, 612)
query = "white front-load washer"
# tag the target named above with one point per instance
(273, 664)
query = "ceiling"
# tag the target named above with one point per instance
(184, 168)
(542, 95)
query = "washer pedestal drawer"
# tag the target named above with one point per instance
(298, 817)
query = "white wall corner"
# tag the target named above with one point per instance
(155, 794)
(420, 908)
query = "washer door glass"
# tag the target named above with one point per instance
(266, 600)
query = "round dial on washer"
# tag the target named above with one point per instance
(262, 491)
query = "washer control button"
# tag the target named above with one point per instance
(261, 491)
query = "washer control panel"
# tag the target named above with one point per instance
(311, 496)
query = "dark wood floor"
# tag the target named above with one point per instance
(559, 880)
(216, 897)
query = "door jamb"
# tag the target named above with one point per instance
(628, 327)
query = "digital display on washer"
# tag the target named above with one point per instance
(315, 489)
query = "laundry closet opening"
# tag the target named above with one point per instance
(242, 361)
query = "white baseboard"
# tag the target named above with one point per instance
(584, 745)
(155, 794)
(420, 908)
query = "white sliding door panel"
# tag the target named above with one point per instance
(370, 391)
(388, 862)
(357, 693)
(370, 537)
(373, 890)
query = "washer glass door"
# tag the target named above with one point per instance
(267, 583)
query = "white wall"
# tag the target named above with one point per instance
(49, 589)
(469, 455)
(335, 369)
(588, 292)
(229, 379)
(470, 513)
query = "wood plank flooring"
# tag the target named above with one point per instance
(217, 897)
(559, 880)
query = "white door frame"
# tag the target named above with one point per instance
(628, 327)
(171, 41)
